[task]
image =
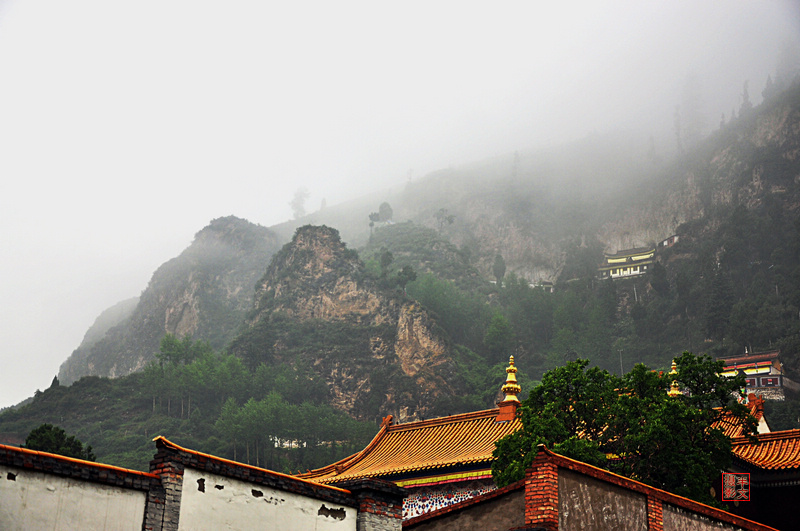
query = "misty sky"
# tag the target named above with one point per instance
(125, 127)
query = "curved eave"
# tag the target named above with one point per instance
(437, 444)
(346, 462)
(401, 471)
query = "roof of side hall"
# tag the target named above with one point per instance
(779, 450)
(630, 252)
(429, 446)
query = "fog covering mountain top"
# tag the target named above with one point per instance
(232, 109)
(203, 293)
(549, 215)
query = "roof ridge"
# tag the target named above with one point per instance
(750, 355)
(459, 417)
(167, 442)
(632, 250)
(765, 437)
(349, 460)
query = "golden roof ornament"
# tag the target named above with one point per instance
(511, 388)
(674, 390)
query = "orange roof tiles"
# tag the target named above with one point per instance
(424, 447)
(732, 429)
(779, 450)
(765, 360)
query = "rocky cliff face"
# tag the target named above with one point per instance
(203, 293)
(534, 208)
(377, 351)
(748, 160)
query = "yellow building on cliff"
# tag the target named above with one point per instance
(628, 263)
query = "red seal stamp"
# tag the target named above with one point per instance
(735, 486)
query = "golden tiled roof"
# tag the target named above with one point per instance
(778, 450)
(424, 447)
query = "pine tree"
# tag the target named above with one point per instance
(747, 106)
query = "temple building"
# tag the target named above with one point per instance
(431, 474)
(438, 461)
(763, 372)
(668, 242)
(627, 263)
(772, 466)
(446, 461)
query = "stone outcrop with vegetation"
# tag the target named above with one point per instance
(203, 293)
(378, 351)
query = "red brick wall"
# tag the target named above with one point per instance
(655, 515)
(541, 494)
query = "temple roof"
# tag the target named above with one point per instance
(751, 363)
(457, 447)
(750, 357)
(630, 252)
(778, 450)
(426, 447)
(733, 429)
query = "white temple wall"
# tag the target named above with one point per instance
(35, 500)
(210, 501)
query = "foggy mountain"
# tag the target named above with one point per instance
(203, 293)
(305, 328)
(540, 210)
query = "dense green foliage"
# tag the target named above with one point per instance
(49, 438)
(668, 442)
(271, 416)
(731, 282)
(425, 250)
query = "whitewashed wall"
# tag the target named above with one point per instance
(240, 505)
(34, 500)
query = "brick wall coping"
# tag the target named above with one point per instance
(61, 465)
(546, 456)
(244, 472)
(517, 485)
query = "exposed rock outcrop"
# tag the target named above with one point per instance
(378, 351)
(203, 293)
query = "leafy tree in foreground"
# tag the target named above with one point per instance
(668, 442)
(49, 438)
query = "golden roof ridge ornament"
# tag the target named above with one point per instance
(674, 390)
(511, 388)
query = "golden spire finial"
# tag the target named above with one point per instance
(674, 390)
(511, 388)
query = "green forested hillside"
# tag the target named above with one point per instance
(269, 416)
